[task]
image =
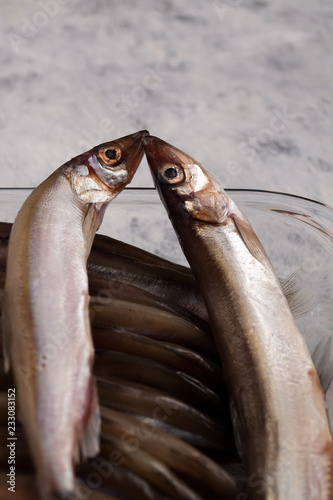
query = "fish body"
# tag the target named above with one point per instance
(277, 402)
(174, 283)
(46, 308)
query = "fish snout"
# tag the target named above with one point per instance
(132, 145)
(141, 134)
(156, 152)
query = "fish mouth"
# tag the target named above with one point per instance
(134, 141)
(158, 152)
(133, 145)
(141, 134)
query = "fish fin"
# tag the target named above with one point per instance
(237, 428)
(5, 330)
(302, 303)
(294, 283)
(300, 300)
(321, 358)
(250, 239)
(90, 445)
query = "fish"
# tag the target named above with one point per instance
(151, 469)
(115, 482)
(201, 473)
(276, 399)
(172, 282)
(139, 370)
(171, 413)
(113, 260)
(177, 357)
(129, 307)
(45, 308)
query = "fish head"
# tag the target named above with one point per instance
(100, 174)
(185, 187)
(191, 195)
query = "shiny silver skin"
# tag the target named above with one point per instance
(46, 318)
(277, 402)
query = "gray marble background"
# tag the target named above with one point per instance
(244, 86)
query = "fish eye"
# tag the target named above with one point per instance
(111, 156)
(172, 174)
(110, 153)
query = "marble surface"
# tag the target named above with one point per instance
(244, 86)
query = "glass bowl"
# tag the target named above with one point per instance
(296, 232)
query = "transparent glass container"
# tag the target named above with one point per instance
(296, 232)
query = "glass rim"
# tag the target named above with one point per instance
(228, 190)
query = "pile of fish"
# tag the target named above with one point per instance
(136, 378)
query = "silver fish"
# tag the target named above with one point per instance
(46, 319)
(277, 402)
